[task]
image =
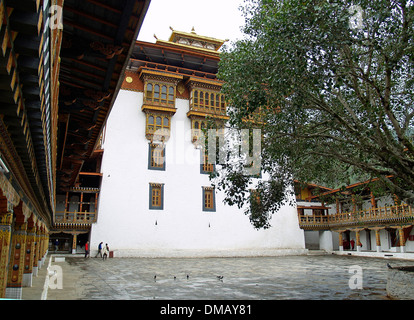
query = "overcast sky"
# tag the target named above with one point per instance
(220, 19)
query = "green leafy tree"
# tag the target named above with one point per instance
(332, 82)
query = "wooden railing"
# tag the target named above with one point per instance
(81, 213)
(74, 217)
(66, 218)
(385, 215)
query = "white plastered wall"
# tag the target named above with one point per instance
(130, 228)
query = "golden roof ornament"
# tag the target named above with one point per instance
(191, 40)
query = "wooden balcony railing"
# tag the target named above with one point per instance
(72, 218)
(70, 213)
(374, 216)
(79, 207)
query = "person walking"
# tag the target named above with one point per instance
(86, 249)
(56, 245)
(105, 252)
(99, 250)
(352, 244)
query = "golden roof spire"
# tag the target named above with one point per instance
(192, 40)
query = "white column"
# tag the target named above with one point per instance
(325, 240)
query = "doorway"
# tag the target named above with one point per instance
(368, 239)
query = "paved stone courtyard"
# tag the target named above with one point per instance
(262, 278)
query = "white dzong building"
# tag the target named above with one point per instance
(156, 197)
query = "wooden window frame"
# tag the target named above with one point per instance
(152, 148)
(205, 167)
(209, 205)
(158, 95)
(153, 187)
(151, 128)
(208, 101)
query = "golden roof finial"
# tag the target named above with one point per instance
(193, 30)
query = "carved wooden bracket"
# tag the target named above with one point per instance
(108, 50)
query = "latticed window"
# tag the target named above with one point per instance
(209, 201)
(158, 122)
(208, 101)
(200, 129)
(156, 196)
(156, 157)
(207, 167)
(159, 93)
